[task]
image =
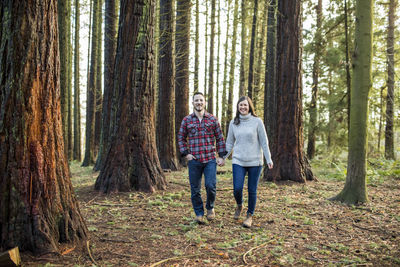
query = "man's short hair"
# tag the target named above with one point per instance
(198, 93)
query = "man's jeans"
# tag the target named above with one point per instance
(196, 170)
(239, 173)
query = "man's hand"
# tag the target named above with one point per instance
(220, 162)
(190, 157)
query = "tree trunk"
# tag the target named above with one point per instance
(132, 161)
(77, 108)
(91, 91)
(166, 73)
(110, 46)
(206, 52)
(242, 79)
(225, 82)
(210, 101)
(289, 160)
(348, 76)
(270, 90)
(252, 49)
(355, 190)
(217, 100)
(196, 51)
(389, 144)
(64, 28)
(99, 91)
(38, 209)
(232, 67)
(313, 110)
(182, 63)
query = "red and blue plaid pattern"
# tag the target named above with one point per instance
(199, 139)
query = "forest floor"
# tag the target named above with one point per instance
(294, 224)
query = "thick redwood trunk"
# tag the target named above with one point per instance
(287, 154)
(132, 161)
(38, 209)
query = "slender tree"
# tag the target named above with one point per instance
(210, 94)
(132, 161)
(64, 28)
(232, 67)
(389, 144)
(166, 95)
(196, 50)
(225, 81)
(355, 190)
(110, 46)
(252, 50)
(91, 90)
(348, 75)
(312, 126)
(217, 101)
(242, 79)
(99, 81)
(77, 108)
(182, 43)
(38, 209)
(289, 160)
(206, 52)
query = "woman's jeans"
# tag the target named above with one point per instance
(196, 170)
(239, 173)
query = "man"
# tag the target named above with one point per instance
(196, 137)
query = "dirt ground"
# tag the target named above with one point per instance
(294, 225)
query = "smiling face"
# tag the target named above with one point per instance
(199, 102)
(243, 107)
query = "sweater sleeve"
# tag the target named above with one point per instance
(263, 139)
(230, 140)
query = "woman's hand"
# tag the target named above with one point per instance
(270, 165)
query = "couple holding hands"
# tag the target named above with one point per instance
(247, 139)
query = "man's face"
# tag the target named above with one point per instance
(198, 103)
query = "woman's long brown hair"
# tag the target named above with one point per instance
(252, 111)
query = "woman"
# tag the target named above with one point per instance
(248, 140)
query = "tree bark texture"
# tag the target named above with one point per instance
(252, 51)
(270, 90)
(91, 91)
(64, 25)
(38, 209)
(110, 47)
(182, 43)
(77, 108)
(196, 50)
(313, 110)
(389, 142)
(99, 91)
(289, 159)
(242, 74)
(132, 161)
(210, 95)
(232, 67)
(225, 81)
(166, 96)
(355, 190)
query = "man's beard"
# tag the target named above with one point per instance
(199, 108)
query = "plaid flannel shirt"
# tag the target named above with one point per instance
(199, 139)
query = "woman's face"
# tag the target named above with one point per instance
(243, 107)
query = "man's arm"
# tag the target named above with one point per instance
(221, 147)
(182, 139)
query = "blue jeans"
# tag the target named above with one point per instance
(196, 170)
(239, 173)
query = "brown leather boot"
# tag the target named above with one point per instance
(248, 221)
(210, 214)
(238, 210)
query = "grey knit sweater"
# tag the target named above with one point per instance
(248, 140)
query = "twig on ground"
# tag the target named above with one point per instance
(90, 201)
(112, 205)
(90, 254)
(173, 258)
(257, 247)
(172, 182)
(115, 240)
(225, 189)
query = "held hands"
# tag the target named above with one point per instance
(190, 157)
(220, 162)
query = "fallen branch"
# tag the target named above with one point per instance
(259, 246)
(90, 254)
(116, 241)
(173, 258)
(113, 205)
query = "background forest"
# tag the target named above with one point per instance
(93, 92)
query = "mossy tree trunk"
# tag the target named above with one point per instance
(77, 109)
(389, 143)
(99, 81)
(355, 190)
(38, 209)
(131, 161)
